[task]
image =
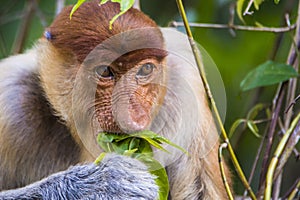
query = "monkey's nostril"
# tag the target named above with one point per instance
(133, 121)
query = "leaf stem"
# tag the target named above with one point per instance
(229, 193)
(295, 190)
(24, 27)
(274, 161)
(247, 10)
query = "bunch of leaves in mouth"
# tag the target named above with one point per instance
(138, 145)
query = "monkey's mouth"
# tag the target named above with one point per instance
(123, 118)
(123, 125)
(110, 133)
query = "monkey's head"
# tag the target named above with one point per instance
(102, 79)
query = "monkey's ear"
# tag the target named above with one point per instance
(48, 35)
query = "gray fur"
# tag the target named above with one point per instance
(116, 178)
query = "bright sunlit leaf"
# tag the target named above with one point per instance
(241, 6)
(257, 3)
(239, 9)
(103, 2)
(125, 5)
(76, 6)
(159, 171)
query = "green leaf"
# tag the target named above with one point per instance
(253, 128)
(239, 9)
(255, 110)
(258, 24)
(103, 2)
(257, 3)
(276, 1)
(268, 113)
(158, 138)
(266, 74)
(138, 145)
(154, 143)
(76, 6)
(159, 171)
(141, 140)
(130, 152)
(235, 125)
(100, 158)
(134, 143)
(125, 5)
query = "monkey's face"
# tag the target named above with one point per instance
(120, 85)
(128, 93)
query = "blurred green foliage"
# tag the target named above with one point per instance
(235, 55)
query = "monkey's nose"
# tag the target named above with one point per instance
(131, 116)
(132, 120)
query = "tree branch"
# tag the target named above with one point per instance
(21, 35)
(289, 87)
(247, 12)
(236, 27)
(137, 4)
(59, 6)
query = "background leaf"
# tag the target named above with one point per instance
(103, 2)
(268, 73)
(239, 9)
(76, 6)
(126, 5)
(234, 126)
(276, 1)
(255, 110)
(253, 128)
(257, 3)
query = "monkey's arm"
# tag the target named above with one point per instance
(116, 177)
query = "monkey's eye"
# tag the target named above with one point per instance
(146, 69)
(104, 71)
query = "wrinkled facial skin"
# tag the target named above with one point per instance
(120, 85)
(128, 94)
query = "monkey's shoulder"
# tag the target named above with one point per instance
(19, 84)
(22, 100)
(37, 143)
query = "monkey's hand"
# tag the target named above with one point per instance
(116, 177)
